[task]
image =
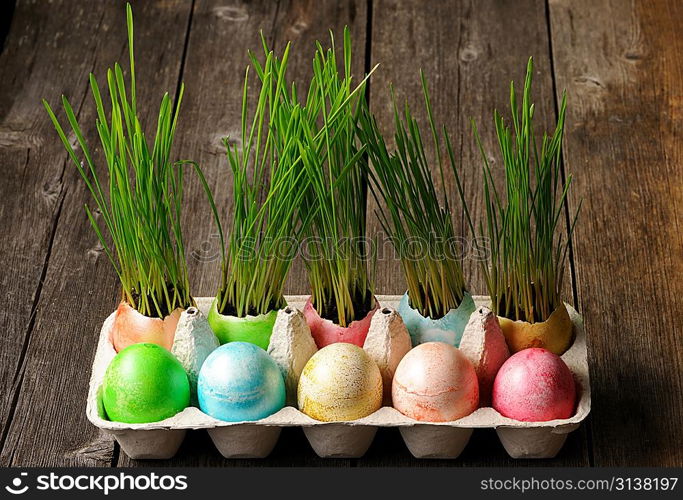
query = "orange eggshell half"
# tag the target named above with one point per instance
(130, 327)
(435, 382)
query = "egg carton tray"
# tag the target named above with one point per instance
(161, 440)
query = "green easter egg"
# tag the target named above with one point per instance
(253, 329)
(144, 383)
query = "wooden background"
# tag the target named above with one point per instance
(619, 60)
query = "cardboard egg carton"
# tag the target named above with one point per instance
(161, 440)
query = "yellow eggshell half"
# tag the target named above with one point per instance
(340, 382)
(554, 334)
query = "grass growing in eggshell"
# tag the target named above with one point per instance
(527, 250)
(145, 195)
(402, 180)
(268, 187)
(311, 155)
(341, 281)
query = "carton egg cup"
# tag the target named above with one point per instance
(161, 440)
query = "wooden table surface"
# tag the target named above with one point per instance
(619, 60)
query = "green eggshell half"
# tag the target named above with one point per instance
(144, 383)
(253, 329)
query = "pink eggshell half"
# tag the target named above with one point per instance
(534, 385)
(325, 332)
(435, 382)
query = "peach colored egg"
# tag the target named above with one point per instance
(435, 382)
(534, 385)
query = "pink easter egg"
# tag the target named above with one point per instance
(534, 385)
(435, 382)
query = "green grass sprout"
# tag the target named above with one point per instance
(269, 185)
(338, 257)
(418, 222)
(525, 271)
(141, 207)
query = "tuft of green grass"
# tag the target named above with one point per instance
(418, 222)
(337, 252)
(525, 271)
(269, 185)
(140, 208)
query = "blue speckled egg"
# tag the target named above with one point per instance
(240, 382)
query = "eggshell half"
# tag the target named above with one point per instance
(554, 334)
(253, 329)
(534, 385)
(130, 327)
(340, 382)
(325, 332)
(448, 329)
(435, 382)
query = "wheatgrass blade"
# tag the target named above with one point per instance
(525, 270)
(141, 209)
(402, 182)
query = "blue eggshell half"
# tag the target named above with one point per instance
(448, 329)
(240, 382)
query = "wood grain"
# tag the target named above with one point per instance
(60, 47)
(621, 67)
(33, 166)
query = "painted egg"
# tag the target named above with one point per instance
(239, 382)
(340, 382)
(534, 385)
(435, 382)
(144, 383)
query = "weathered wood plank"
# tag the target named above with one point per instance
(469, 51)
(214, 78)
(33, 164)
(621, 67)
(50, 52)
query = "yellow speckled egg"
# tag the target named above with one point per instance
(340, 382)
